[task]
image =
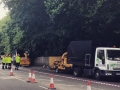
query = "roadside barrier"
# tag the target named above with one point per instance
(33, 80)
(11, 72)
(51, 87)
(30, 76)
(88, 85)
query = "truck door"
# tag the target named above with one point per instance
(100, 60)
(87, 59)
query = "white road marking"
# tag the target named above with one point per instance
(44, 76)
(7, 77)
(97, 88)
(11, 77)
(42, 87)
(19, 79)
(66, 85)
(48, 80)
(21, 75)
(2, 73)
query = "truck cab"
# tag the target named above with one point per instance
(107, 62)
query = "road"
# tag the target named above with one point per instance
(62, 81)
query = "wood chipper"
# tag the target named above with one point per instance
(25, 61)
(62, 64)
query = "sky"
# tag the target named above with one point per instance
(2, 11)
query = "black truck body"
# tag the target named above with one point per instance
(77, 51)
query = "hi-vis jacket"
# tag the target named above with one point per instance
(9, 60)
(17, 59)
(3, 60)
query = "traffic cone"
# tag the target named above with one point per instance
(51, 87)
(11, 72)
(33, 80)
(88, 85)
(30, 76)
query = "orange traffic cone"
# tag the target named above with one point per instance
(11, 72)
(51, 87)
(33, 80)
(30, 76)
(88, 85)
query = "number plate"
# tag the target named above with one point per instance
(117, 73)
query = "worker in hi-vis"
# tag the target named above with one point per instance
(17, 62)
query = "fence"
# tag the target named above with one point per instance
(46, 61)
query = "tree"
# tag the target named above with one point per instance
(31, 17)
(10, 35)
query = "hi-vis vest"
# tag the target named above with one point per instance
(9, 60)
(17, 59)
(3, 60)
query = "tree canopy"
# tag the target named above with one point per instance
(46, 27)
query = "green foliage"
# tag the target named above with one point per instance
(10, 35)
(45, 27)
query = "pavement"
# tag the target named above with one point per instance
(61, 81)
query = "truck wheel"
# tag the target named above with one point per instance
(97, 75)
(57, 70)
(77, 72)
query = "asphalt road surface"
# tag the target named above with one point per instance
(62, 81)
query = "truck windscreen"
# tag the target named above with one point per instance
(113, 54)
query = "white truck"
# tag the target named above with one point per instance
(94, 59)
